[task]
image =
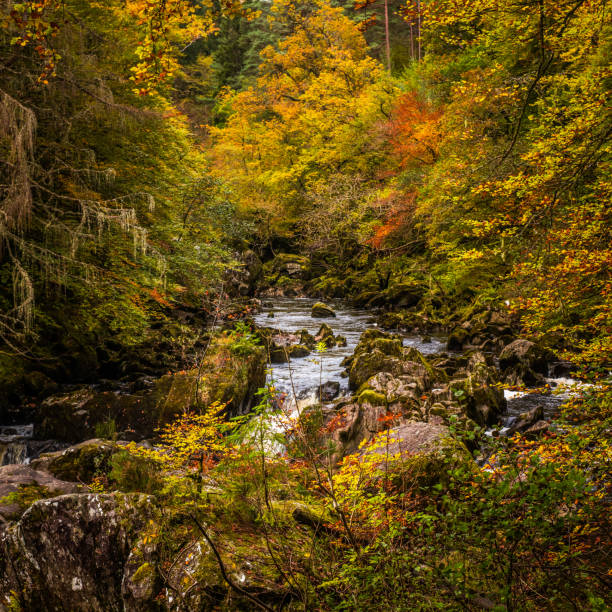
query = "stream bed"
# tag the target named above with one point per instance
(304, 374)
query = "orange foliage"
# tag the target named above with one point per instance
(414, 131)
(158, 297)
(398, 217)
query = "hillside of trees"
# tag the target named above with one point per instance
(170, 169)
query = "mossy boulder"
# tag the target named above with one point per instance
(320, 310)
(299, 350)
(399, 392)
(224, 376)
(388, 346)
(371, 397)
(416, 451)
(479, 393)
(79, 463)
(325, 335)
(457, 339)
(406, 294)
(329, 287)
(307, 339)
(378, 351)
(289, 265)
(311, 514)
(366, 365)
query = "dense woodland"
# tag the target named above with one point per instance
(166, 165)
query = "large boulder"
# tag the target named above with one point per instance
(360, 420)
(416, 452)
(282, 346)
(328, 390)
(321, 311)
(103, 552)
(524, 363)
(367, 365)
(457, 339)
(400, 392)
(406, 294)
(71, 552)
(479, 393)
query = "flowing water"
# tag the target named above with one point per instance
(14, 443)
(304, 374)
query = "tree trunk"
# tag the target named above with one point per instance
(387, 43)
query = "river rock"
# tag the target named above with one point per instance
(299, 350)
(561, 369)
(329, 390)
(526, 419)
(378, 351)
(325, 335)
(537, 429)
(282, 345)
(320, 310)
(524, 363)
(457, 339)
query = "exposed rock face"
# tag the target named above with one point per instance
(360, 422)
(71, 552)
(289, 264)
(524, 363)
(24, 479)
(320, 311)
(411, 438)
(224, 377)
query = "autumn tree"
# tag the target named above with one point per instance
(309, 116)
